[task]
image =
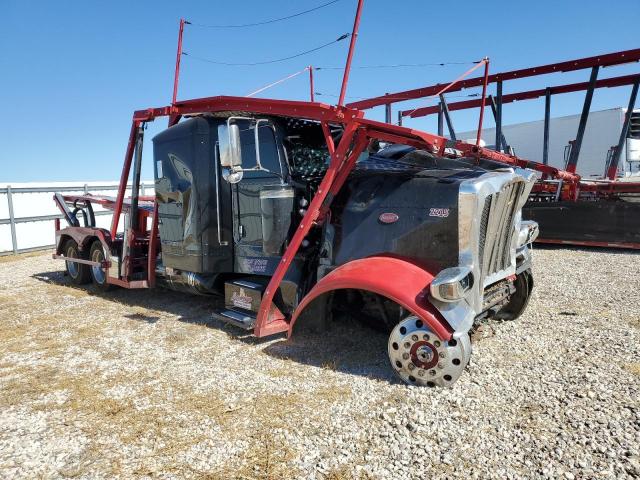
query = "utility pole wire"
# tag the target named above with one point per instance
(215, 62)
(266, 22)
(401, 65)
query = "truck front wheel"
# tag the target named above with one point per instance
(78, 272)
(419, 357)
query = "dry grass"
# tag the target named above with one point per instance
(128, 405)
(119, 421)
(347, 472)
(40, 384)
(330, 365)
(634, 368)
(332, 393)
(266, 458)
(144, 384)
(10, 258)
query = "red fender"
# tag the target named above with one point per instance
(80, 235)
(400, 280)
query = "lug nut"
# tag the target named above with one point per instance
(436, 343)
(414, 338)
(407, 345)
(440, 365)
(425, 337)
(432, 373)
(421, 373)
(405, 356)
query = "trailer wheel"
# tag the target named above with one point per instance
(78, 272)
(98, 274)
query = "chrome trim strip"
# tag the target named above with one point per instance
(218, 219)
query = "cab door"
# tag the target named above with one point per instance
(248, 228)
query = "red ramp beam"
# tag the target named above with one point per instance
(606, 60)
(528, 95)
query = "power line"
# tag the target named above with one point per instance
(401, 65)
(215, 62)
(266, 22)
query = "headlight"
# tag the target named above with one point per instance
(452, 284)
(528, 232)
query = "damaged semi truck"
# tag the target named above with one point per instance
(293, 211)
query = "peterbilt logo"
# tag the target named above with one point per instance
(439, 212)
(388, 217)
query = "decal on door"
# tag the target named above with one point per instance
(254, 265)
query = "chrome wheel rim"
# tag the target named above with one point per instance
(419, 357)
(72, 267)
(98, 272)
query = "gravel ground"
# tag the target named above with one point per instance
(143, 384)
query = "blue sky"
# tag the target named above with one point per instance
(74, 71)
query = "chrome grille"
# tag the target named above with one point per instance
(484, 222)
(496, 229)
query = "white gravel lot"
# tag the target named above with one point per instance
(143, 384)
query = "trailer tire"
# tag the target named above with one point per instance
(79, 273)
(98, 274)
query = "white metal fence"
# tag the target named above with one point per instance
(27, 213)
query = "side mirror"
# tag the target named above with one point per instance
(229, 141)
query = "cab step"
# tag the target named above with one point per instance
(243, 294)
(239, 318)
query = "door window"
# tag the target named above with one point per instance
(268, 151)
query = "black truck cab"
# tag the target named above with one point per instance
(215, 222)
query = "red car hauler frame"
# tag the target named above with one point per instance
(491, 217)
(559, 185)
(358, 132)
(437, 302)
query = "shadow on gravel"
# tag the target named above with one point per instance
(346, 346)
(187, 308)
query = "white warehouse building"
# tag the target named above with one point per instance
(602, 132)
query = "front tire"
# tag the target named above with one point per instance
(99, 274)
(78, 272)
(420, 358)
